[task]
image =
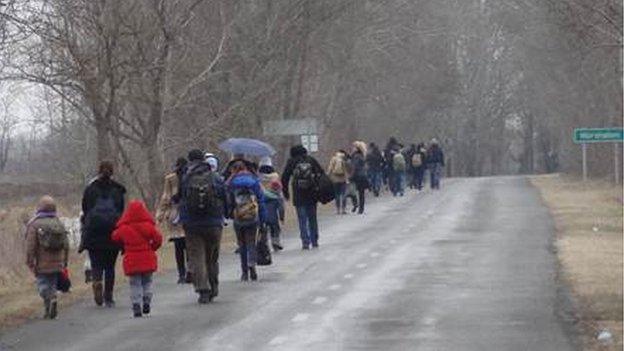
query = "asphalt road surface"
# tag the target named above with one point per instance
(469, 267)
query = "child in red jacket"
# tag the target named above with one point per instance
(137, 232)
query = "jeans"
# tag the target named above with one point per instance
(340, 189)
(436, 173)
(308, 225)
(46, 285)
(246, 237)
(399, 183)
(375, 179)
(202, 245)
(103, 267)
(361, 199)
(275, 230)
(141, 288)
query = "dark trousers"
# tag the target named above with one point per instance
(202, 244)
(246, 237)
(103, 268)
(361, 199)
(419, 175)
(180, 255)
(340, 190)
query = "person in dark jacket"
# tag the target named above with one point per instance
(246, 200)
(411, 169)
(102, 205)
(358, 173)
(375, 166)
(203, 230)
(302, 169)
(435, 163)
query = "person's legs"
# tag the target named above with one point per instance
(250, 241)
(136, 289)
(212, 256)
(97, 271)
(338, 197)
(242, 252)
(110, 258)
(146, 285)
(46, 285)
(195, 244)
(432, 175)
(276, 231)
(361, 199)
(302, 217)
(179, 245)
(313, 224)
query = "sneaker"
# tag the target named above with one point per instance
(146, 308)
(278, 247)
(136, 310)
(305, 247)
(53, 309)
(315, 245)
(244, 277)
(253, 274)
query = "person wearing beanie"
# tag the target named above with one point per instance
(47, 250)
(303, 170)
(202, 207)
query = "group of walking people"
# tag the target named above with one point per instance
(395, 168)
(197, 198)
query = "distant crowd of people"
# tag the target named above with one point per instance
(197, 199)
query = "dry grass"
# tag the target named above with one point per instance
(588, 218)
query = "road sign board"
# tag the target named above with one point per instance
(310, 142)
(290, 127)
(598, 135)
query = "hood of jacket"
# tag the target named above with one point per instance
(297, 151)
(243, 180)
(135, 213)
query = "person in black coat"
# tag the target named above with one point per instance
(303, 170)
(102, 205)
(375, 165)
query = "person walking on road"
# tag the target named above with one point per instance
(47, 251)
(358, 173)
(435, 163)
(202, 210)
(419, 163)
(303, 170)
(137, 232)
(337, 172)
(399, 168)
(375, 166)
(102, 205)
(246, 201)
(168, 217)
(274, 203)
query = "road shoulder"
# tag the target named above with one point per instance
(588, 243)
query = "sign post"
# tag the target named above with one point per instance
(586, 136)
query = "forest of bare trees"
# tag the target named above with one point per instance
(501, 83)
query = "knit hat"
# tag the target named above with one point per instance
(266, 161)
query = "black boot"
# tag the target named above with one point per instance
(108, 294)
(204, 297)
(146, 307)
(136, 310)
(253, 274)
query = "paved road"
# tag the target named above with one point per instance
(465, 268)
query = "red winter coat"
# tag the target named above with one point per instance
(137, 232)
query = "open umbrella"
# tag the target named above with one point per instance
(250, 147)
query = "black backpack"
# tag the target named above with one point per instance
(303, 175)
(201, 197)
(104, 215)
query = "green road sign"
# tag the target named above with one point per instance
(598, 135)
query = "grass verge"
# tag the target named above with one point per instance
(588, 219)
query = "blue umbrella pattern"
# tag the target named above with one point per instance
(249, 147)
